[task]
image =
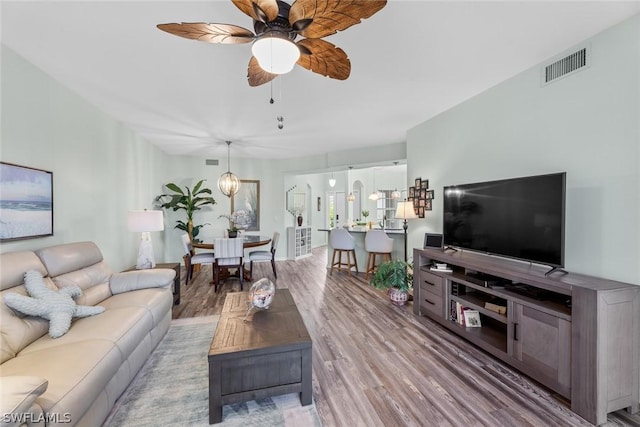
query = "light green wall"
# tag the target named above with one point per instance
(586, 124)
(101, 169)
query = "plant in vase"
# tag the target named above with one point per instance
(397, 277)
(189, 200)
(237, 221)
(365, 214)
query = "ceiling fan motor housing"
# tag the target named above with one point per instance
(279, 27)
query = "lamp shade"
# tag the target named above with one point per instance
(404, 210)
(332, 182)
(276, 55)
(142, 221)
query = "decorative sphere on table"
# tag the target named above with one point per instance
(261, 293)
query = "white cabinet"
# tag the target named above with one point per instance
(298, 242)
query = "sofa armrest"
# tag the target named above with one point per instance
(141, 279)
(17, 398)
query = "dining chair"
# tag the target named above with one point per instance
(192, 258)
(263, 256)
(376, 243)
(228, 254)
(342, 242)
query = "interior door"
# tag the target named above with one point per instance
(341, 208)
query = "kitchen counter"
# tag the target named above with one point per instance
(358, 234)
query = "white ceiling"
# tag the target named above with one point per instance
(409, 62)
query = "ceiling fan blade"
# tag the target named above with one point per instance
(260, 10)
(256, 75)
(212, 33)
(324, 58)
(330, 16)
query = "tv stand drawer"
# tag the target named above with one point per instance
(431, 283)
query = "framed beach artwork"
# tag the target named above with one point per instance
(26, 202)
(246, 204)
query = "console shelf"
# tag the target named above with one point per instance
(566, 331)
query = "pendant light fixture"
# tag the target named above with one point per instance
(395, 194)
(374, 194)
(332, 181)
(350, 197)
(228, 183)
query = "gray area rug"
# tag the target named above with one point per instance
(172, 388)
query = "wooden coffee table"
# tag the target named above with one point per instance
(266, 354)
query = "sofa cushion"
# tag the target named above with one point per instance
(18, 330)
(14, 265)
(80, 264)
(156, 301)
(17, 395)
(93, 280)
(61, 259)
(77, 373)
(123, 327)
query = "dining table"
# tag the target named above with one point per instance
(249, 241)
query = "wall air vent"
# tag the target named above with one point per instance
(211, 162)
(576, 61)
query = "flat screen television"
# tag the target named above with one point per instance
(520, 218)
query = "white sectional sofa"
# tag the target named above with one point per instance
(75, 379)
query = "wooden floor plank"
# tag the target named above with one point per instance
(375, 364)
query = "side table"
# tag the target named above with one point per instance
(175, 266)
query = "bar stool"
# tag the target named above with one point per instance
(377, 243)
(342, 241)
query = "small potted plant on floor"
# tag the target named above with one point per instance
(397, 277)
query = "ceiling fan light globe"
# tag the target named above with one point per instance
(229, 184)
(275, 55)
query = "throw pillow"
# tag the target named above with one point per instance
(58, 307)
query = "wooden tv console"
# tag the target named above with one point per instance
(576, 334)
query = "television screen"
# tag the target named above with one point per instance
(519, 218)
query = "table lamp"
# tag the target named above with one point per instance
(144, 222)
(404, 211)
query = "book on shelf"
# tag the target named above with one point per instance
(472, 319)
(454, 311)
(442, 270)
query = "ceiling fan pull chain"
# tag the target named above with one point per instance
(280, 118)
(271, 101)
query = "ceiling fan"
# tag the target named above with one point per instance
(277, 24)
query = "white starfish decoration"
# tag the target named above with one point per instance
(56, 306)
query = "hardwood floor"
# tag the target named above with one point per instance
(375, 364)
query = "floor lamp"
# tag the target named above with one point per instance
(404, 211)
(144, 222)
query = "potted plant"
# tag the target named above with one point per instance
(365, 214)
(397, 277)
(190, 200)
(237, 220)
